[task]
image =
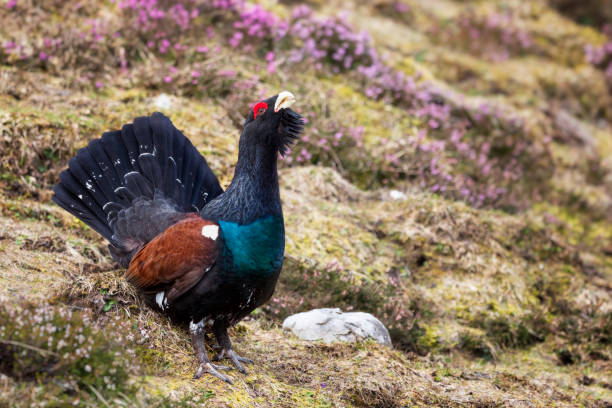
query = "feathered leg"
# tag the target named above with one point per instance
(199, 346)
(220, 330)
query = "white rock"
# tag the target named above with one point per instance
(162, 101)
(330, 325)
(397, 195)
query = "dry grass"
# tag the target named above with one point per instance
(502, 309)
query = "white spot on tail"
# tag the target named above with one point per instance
(210, 231)
(161, 301)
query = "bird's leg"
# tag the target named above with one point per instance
(220, 329)
(199, 347)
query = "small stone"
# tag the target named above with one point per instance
(397, 195)
(331, 325)
(162, 101)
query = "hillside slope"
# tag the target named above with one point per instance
(454, 179)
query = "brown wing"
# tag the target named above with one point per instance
(177, 258)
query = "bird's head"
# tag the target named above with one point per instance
(272, 124)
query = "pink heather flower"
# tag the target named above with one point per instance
(11, 3)
(202, 49)
(301, 11)
(227, 73)
(167, 79)
(43, 56)
(172, 69)
(236, 39)
(195, 74)
(271, 67)
(401, 7)
(98, 84)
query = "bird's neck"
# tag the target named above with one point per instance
(253, 193)
(252, 222)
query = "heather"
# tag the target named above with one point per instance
(62, 346)
(454, 180)
(182, 38)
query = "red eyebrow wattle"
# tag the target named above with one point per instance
(258, 106)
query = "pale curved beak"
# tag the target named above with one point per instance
(284, 100)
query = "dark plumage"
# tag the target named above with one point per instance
(197, 254)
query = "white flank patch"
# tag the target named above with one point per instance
(159, 299)
(210, 231)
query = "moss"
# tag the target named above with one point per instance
(476, 343)
(152, 360)
(504, 330)
(426, 338)
(514, 291)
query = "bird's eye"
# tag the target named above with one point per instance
(259, 109)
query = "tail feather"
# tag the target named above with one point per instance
(69, 201)
(144, 135)
(171, 187)
(117, 154)
(108, 172)
(86, 177)
(128, 137)
(150, 168)
(98, 181)
(162, 136)
(132, 184)
(79, 195)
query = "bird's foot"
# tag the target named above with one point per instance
(210, 368)
(235, 358)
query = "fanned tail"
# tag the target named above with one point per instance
(130, 185)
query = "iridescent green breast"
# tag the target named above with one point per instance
(255, 248)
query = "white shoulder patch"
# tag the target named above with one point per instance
(210, 231)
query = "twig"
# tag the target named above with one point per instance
(100, 397)
(27, 346)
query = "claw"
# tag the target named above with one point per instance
(235, 358)
(212, 369)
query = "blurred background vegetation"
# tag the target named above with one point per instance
(454, 179)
